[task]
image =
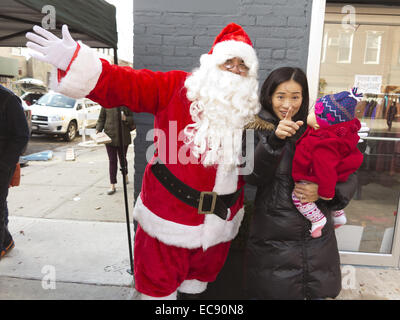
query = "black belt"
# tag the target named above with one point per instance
(202, 200)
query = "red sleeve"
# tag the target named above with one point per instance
(326, 157)
(139, 90)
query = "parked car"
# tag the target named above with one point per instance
(27, 99)
(31, 97)
(28, 114)
(56, 114)
(32, 89)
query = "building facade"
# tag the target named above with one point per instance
(340, 44)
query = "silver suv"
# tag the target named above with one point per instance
(57, 114)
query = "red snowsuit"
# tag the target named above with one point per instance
(327, 155)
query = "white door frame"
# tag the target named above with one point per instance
(315, 47)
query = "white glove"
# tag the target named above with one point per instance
(363, 132)
(48, 48)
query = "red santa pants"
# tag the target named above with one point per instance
(160, 269)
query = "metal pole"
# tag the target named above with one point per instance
(124, 173)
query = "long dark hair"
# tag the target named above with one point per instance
(279, 76)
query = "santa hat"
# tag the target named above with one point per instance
(335, 108)
(233, 42)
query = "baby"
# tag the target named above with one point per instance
(327, 153)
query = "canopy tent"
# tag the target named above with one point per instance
(92, 21)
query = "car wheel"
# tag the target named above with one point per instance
(71, 131)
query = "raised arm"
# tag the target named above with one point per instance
(81, 73)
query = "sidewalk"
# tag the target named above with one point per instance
(71, 238)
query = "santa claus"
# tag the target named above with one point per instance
(191, 202)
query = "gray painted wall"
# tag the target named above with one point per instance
(172, 34)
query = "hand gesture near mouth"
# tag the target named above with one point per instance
(287, 127)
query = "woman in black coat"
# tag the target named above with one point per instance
(282, 260)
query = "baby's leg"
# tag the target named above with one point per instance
(311, 212)
(339, 218)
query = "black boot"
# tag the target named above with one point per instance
(8, 243)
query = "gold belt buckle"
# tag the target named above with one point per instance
(214, 200)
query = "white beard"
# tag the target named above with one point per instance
(222, 104)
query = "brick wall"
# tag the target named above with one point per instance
(172, 34)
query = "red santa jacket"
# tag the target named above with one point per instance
(163, 94)
(327, 155)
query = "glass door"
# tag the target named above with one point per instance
(360, 46)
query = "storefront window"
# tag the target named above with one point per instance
(366, 54)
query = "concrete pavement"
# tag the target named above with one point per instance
(71, 239)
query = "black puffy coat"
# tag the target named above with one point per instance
(14, 131)
(282, 260)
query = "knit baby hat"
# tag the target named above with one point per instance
(335, 108)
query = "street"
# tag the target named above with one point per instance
(41, 142)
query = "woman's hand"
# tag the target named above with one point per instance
(287, 127)
(306, 191)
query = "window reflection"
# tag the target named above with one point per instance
(373, 47)
(368, 56)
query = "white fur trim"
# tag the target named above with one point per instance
(82, 76)
(213, 231)
(193, 286)
(230, 49)
(226, 180)
(216, 230)
(172, 296)
(166, 231)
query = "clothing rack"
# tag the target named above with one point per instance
(380, 106)
(372, 95)
(382, 139)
